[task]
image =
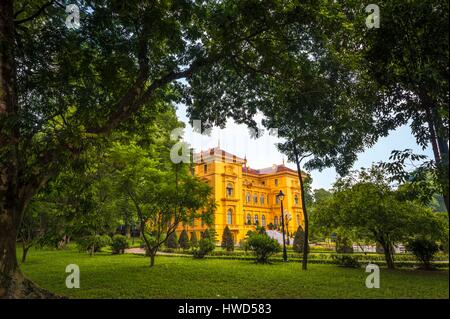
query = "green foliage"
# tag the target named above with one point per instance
(299, 240)
(205, 246)
(227, 239)
(348, 261)
(172, 241)
(210, 233)
(119, 244)
(93, 243)
(184, 240)
(194, 241)
(424, 249)
(365, 206)
(263, 247)
(344, 245)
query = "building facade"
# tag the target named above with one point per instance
(246, 197)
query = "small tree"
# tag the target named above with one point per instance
(424, 249)
(172, 241)
(343, 245)
(299, 239)
(227, 239)
(263, 246)
(184, 240)
(194, 241)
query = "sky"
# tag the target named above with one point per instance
(262, 152)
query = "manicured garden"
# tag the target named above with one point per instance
(129, 276)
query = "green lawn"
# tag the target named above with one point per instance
(129, 276)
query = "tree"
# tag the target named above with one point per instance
(408, 58)
(227, 239)
(365, 205)
(184, 240)
(424, 250)
(172, 241)
(63, 90)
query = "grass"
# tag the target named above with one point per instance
(129, 276)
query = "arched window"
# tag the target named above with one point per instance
(263, 220)
(255, 198)
(249, 219)
(229, 216)
(255, 219)
(275, 221)
(261, 199)
(229, 190)
(247, 197)
(298, 219)
(277, 200)
(296, 199)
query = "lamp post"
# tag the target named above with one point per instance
(281, 197)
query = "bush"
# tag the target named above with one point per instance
(424, 250)
(93, 243)
(194, 241)
(172, 241)
(346, 261)
(227, 239)
(263, 247)
(205, 246)
(210, 234)
(184, 240)
(299, 240)
(119, 244)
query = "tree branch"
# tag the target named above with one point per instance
(35, 15)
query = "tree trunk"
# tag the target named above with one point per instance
(305, 213)
(388, 255)
(25, 252)
(152, 259)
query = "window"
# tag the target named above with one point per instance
(277, 200)
(205, 168)
(249, 219)
(298, 219)
(263, 220)
(275, 221)
(296, 199)
(276, 182)
(229, 217)
(255, 219)
(261, 199)
(255, 199)
(229, 190)
(247, 197)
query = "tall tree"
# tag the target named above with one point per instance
(62, 88)
(408, 57)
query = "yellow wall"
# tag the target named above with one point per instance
(219, 172)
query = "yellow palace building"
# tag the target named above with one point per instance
(246, 197)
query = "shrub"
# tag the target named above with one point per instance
(205, 246)
(172, 241)
(184, 240)
(210, 234)
(93, 243)
(299, 240)
(424, 250)
(346, 261)
(263, 247)
(119, 244)
(227, 239)
(194, 241)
